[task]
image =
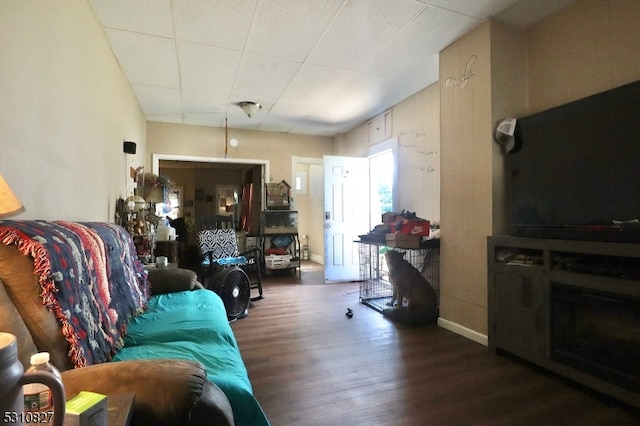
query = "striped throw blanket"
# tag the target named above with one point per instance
(91, 280)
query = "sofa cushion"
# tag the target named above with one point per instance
(192, 325)
(169, 280)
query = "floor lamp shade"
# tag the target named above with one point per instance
(9, 203)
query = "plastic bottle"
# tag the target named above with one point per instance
(37, 396)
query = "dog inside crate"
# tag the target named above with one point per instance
(377, 290)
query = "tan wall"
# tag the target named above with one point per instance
(466, 191)
(65, 110)
(589, 47)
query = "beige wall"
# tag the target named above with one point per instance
(65, 110)
(589, 47)
(466, 191)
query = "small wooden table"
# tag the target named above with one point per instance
(120, 407)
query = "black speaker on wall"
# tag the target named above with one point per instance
(129, 147)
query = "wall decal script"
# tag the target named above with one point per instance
(463, 79)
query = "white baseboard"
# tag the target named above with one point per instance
(316, 258)
(463, 331)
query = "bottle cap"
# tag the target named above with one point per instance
(40, 358)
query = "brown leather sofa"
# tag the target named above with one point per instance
(167, 392)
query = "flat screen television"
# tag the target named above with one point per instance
(578, 164)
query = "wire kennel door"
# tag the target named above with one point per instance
(375, 289)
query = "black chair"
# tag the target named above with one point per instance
(219, 249)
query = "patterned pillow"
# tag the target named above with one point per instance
(221, 243)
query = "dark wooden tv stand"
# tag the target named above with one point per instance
(569, 306)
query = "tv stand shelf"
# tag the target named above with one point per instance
(569, 306)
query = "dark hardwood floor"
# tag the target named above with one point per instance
(311, 365)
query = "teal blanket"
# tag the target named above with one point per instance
(193, 325)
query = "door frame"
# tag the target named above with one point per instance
(295, 160)
(266, 168)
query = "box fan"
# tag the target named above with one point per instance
(233, 286)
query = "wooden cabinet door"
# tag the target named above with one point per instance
(518, 317)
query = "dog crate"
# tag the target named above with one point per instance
(376, 291)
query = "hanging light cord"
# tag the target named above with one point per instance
(226, 138)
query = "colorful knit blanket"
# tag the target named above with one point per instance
(91, 280)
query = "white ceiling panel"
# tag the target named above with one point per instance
(222, 23)
(145, 59)
(158, 100)
(419, 40)
(197, 101)
(151, 17)
(288, 29)
(262, 78)
(197, 61)
(360, 29)
(313, 83)
(318, 67)
(356, 96)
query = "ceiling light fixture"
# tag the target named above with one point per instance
(250, 107)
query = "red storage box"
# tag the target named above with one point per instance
(415, 227)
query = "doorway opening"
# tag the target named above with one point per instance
(383, 179)
(211, 185)
(381, 182)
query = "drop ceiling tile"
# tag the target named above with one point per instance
(414, 46)
(158, 100)
(207, 68)
(360, 94)
(292, 110)
(145, 59)
(142, 16)
(194, 101)
(312, 83)
(274, 126)
(289, 30)
(263, 79)
(222, 23)
(321, 128)
(360, 28)
(425, 72)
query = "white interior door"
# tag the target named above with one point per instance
(346, 205)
